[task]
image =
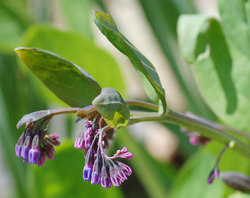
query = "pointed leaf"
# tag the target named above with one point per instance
(32, 117)
(142, 65)
(112, 107)
(80, 50)
(67, 81)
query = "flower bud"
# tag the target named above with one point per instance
(237, 181)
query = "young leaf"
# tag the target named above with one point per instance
(142, 65)
(112, 107)
(67, 81)
(32, 117)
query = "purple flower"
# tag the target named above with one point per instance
(211, 177)
(25, 152)
(34, 155)
(105, 177)
(123, 153)
(34, 145)
(87, 172)
(195, 140)
(114, 177)
(126, 169)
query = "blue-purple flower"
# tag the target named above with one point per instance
(100, 168)
(34, 145)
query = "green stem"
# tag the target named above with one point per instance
(142, 104)
(64, 111)
(230, 129)
(195, 125)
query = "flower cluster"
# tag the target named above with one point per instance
(100, 168)
(34, 145)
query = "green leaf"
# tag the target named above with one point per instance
(194, 33)
(192, 30)
(67, 81)
(62, 177)
(191, 180)
(31, 117)
(223, 74)
(142, 65)
(78, 50)
(112, 107)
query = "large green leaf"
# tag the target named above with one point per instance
(62, 177)
(142, 65)
(67, 81)
(110, 104)
(195, 32)
(78, 50)
(191, 180)
(223, 70)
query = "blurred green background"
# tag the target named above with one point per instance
(164, 163)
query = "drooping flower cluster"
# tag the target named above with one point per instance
(34, 145)
(100, 168)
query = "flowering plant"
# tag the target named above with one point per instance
(104, 109)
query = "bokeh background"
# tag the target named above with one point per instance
(66, 28)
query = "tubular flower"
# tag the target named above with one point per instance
(100, 168)
(34, 145)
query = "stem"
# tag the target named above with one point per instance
(64, 110)
(142, 104)
(230, 129)
(102, 130)
(195, 125)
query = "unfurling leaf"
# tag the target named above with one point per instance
(112, 107)
(32, 117)
(142, 65)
